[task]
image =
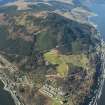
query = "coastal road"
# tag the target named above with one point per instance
(101, 97)
(9, 84)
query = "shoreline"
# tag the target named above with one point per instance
(101, 79)
(92, 23)
(7, 88)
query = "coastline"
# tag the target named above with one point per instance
(7, 94)
(10, 91)
(101, 79)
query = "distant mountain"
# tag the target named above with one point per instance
(12, 6)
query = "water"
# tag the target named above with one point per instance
(99, 9)
(5, 97)
(5, 1)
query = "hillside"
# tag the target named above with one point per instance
(56, 57)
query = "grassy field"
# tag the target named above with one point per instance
(80, 60)
(55, 102)
(62, 69)
(63, 61)
(53, 57)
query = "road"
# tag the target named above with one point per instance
(9, 84)
(102, 78)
